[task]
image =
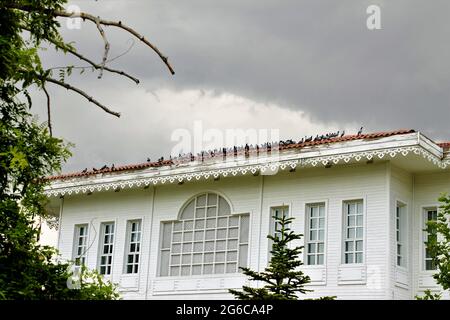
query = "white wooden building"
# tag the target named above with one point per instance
(180, 229)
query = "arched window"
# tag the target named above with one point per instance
(206, 239)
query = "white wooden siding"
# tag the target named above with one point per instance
(379, 185)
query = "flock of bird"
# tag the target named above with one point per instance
(236, 149)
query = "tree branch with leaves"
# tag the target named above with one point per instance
(39, 19)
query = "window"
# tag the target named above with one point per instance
(275, 226)
(206, 239)
(429, 215)
(315, 235)
(400, 234)
(133, 246)
(106, 248)
(80, 244)
(353, 231)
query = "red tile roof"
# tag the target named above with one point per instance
(145, 165)
(444, 145)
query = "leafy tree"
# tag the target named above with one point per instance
(282, 280)
(29, 152)
(438, 245)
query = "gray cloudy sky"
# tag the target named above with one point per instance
(301, 66)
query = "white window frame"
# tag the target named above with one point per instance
(137, 253)
(424, 219)
(242, 244)
(272, 224)
(82, 258)
(354, 240)
(315, 242)
(401, 223)
(110, 255)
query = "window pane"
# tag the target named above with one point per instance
(200, 213)
(320, 259)
(349, 258)
(231, 267)
(359, 232)
(198, 235)
(187, 236)
(212, 199)
(359, 246)
(224, 207)
(201, 200)
(211, 212)
(177, 237)
(320, 247)
(174, 271)
(359, 257)
(244, 228)
(176, 259)
(221, 233)
(200, 224)
(243, 255)
(208, 269)
(211, 223)
(233, 233)
(188, 212)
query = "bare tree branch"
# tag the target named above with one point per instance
(92, 63)
(48, 111)
(97, 66)
(82, 93)
(87, 16)
(105, 54)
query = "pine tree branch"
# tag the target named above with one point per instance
(90, 17)
(82, 93)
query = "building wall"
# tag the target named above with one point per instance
(401, 191)
(377, 184)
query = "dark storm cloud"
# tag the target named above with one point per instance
(315, 56)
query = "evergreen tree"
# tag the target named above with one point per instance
(282, 279)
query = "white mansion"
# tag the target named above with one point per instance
(180, 229)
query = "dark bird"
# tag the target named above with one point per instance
(94, 169)
(360, 131)
(149, 160)
(343, 133)
(112, 167)
(104, 167)
(84, 171)
(309, 139)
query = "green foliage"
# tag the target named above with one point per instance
(282, 280)
(27, 154)
(438, 243)
(429, 296)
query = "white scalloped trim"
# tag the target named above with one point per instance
(252, 169)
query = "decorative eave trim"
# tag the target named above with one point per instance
(265, 166)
